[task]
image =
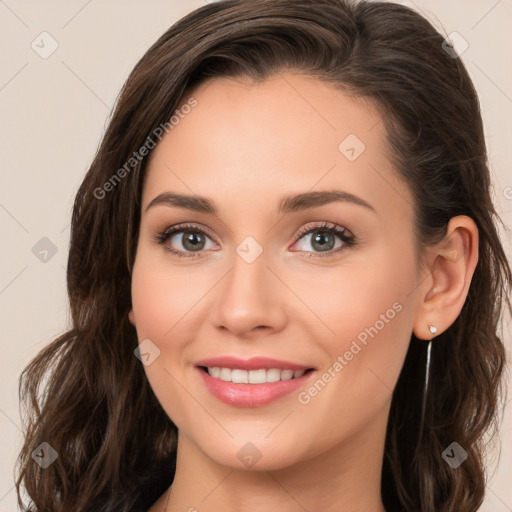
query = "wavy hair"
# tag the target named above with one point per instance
(88, 396)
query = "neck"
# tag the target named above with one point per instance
(345, 477)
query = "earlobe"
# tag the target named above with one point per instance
(452, 264)
(131, 317)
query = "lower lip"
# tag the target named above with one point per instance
(251, 395)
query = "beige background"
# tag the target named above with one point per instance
(54, 111)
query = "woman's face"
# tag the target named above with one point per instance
(266, 276)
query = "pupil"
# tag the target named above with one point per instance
(192, 240)
(320, 239)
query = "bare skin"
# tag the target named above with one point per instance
(245, 147)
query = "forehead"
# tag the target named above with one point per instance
(291, 132)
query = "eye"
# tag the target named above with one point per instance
(188, 241)
(184, 240)
(323, 239)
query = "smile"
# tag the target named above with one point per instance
(238, 376)
(257, 392)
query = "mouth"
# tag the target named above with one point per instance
(258, 376)
(252, 383)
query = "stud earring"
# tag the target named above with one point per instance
(433, 331)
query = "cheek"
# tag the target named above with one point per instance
(158, 299)
(161, 300)
(152, 302)
(367, 313)
(351, 299)
(163, 295)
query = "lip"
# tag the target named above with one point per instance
(251, 395)
(255, 363)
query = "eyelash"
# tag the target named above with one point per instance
(349, 241)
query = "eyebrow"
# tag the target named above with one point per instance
(287, 205)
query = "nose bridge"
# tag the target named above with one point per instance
(249, 297)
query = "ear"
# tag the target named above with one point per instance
(131, 317)
(450, 266)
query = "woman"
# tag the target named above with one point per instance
(290, 202)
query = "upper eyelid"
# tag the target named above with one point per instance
(300, 233)
(184, 226)
(322, 224)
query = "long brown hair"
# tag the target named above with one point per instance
(116, 446)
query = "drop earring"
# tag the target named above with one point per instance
(433, 331)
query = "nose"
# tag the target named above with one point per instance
(250, 299)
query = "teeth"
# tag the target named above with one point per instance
(225, 374)
(273, 375)
(239, 376)
(253, 376)
(214, 372)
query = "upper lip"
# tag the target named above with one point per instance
(255, 363)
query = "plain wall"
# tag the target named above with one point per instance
(54, 112)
